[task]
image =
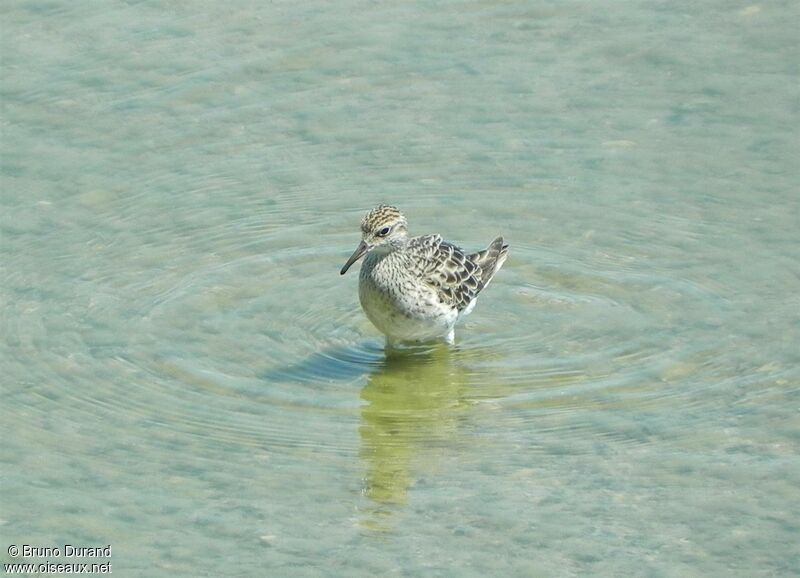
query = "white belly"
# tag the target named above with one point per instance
(411, 315)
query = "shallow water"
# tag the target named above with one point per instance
(187, 377)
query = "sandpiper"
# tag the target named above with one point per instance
(417, 288)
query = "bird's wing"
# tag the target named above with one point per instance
(454, 275)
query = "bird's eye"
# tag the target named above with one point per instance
(383, 232)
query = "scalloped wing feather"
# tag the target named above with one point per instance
(456, 276)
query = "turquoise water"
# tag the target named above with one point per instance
(186, 376)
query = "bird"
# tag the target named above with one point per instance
(415, 289)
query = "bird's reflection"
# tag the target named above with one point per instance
(413, 402)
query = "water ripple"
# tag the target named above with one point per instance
(240, 332)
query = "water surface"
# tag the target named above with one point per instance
(185, 375)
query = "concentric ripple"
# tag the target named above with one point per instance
(573, 342)
(236, 329)
(224, 328)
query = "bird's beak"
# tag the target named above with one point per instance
(360, 251)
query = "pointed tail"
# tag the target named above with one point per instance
(490, 260)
